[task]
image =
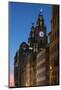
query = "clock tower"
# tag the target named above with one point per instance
(38, 37)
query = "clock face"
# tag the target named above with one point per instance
(41, 34)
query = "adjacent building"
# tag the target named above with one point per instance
(54, 47)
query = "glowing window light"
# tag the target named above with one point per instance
(27, 84)
(50, 67)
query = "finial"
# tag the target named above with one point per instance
(40, 12)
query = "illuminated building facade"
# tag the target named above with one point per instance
(42, 67)
(24, 66)
(25, 56)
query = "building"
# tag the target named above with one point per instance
(16, 59)
(38, 38)
(38, 41)
(23, 66)
(54, 47)
(33, 58)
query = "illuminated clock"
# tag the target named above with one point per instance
(41, 34)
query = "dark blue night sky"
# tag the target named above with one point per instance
(21, 17)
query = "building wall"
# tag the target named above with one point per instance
(54, 47)
(41, 77)
(25, 70)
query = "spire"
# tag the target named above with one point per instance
(40, 18)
